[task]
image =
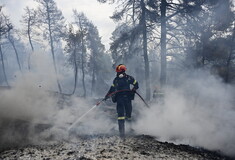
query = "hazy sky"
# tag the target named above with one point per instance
(96, 12)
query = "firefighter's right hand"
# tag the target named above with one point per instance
(106, 97)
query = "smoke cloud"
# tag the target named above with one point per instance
(32, 111)
(199, 112)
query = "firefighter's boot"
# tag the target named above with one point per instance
(129, 127)
(121, 125)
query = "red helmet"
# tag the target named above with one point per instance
(121, 68)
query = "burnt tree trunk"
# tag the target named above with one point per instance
(52, 48)
(83, 61)
(145, 50)
(93, 81)
(30, 42)
(15, 50)
(227, 76)
(75, 71)
(3, 66)
(163, 43)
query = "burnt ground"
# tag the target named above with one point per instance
(103, 147)
(92, 147)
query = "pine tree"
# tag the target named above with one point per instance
(5, 27)
(52, 23)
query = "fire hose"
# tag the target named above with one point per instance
(98, 103)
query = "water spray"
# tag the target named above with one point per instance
(80, 118)
(98, 103)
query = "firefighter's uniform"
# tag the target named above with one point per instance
(123, 97)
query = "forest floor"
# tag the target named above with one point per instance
(93, 146)
(107, 147)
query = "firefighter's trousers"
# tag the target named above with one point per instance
(124, 110)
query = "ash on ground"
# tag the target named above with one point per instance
(103, 147)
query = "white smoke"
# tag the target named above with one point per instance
(33, 111)
(28, 97)
(199, 112)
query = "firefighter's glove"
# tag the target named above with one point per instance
(106, 97)
(133, 90)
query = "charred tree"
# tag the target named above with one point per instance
(72, 48)
(97, 50)
(230, 56)
(82, 23)
(83, 57)
(12, 42)
(163, 42)
(53, 24)
(145, 49)
(5, 27)
(3, 65)
(29, 21)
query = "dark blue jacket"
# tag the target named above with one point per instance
(120, 84)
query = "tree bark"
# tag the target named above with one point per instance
(163, 43)
(94, 73)
(93, 80)
(230, 57)
(83, 68)
(75, 70)
(16, 52)
(29, 35)
(3, 66)
(133, 13)
(145, 50)
(30, 42)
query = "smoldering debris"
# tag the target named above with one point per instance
(112, 147)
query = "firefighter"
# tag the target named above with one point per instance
(123, 96)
